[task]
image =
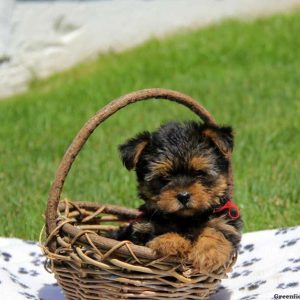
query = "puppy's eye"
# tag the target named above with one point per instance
(201, 173)
(205, 177)
(160, 182)
(164, 180)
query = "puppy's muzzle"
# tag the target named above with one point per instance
(183, 197)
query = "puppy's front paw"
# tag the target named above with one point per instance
(211, 251)
(170, 244)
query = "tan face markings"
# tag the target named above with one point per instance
(199, 163)
(220, 186)
(161, 168)
(201, 197)
(165, 167)
(167, 201)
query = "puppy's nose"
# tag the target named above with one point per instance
(183, 197)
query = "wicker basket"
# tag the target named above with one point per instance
(86, 264)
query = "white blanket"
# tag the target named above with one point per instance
(268, 267)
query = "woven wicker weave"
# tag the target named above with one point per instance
(88, 265)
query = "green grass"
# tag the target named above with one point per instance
(246, 75)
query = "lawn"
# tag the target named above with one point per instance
(245, 74)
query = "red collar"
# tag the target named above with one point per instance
(233, 210)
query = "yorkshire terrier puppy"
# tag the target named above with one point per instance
(183, 172)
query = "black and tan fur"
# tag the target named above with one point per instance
(183, 175)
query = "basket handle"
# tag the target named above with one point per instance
(90, 126)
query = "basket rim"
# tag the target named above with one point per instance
(121, 248)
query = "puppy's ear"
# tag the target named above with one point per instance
(221, 136)
(131, 151)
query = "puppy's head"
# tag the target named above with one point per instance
(182, 168)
